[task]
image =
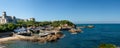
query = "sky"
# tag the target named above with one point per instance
(77, 11)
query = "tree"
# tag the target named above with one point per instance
(11, 26)
(62, 22)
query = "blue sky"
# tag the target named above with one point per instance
(77, 11)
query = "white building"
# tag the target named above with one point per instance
(29, 19)
(7, 19)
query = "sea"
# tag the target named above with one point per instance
(89, 38)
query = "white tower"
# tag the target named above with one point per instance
(4, 14)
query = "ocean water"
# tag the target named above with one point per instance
(89, 38)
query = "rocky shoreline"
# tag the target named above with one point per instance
(34, 38)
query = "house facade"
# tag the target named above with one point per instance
(7, 19)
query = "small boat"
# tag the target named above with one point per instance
(43, 34)
(90, 26)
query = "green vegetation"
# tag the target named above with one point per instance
(62, 22)
(107, 46)
(11, 26)
(7, 27)
(52, 23)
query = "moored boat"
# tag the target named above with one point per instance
(90, 26)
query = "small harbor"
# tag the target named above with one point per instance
(31, 35)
